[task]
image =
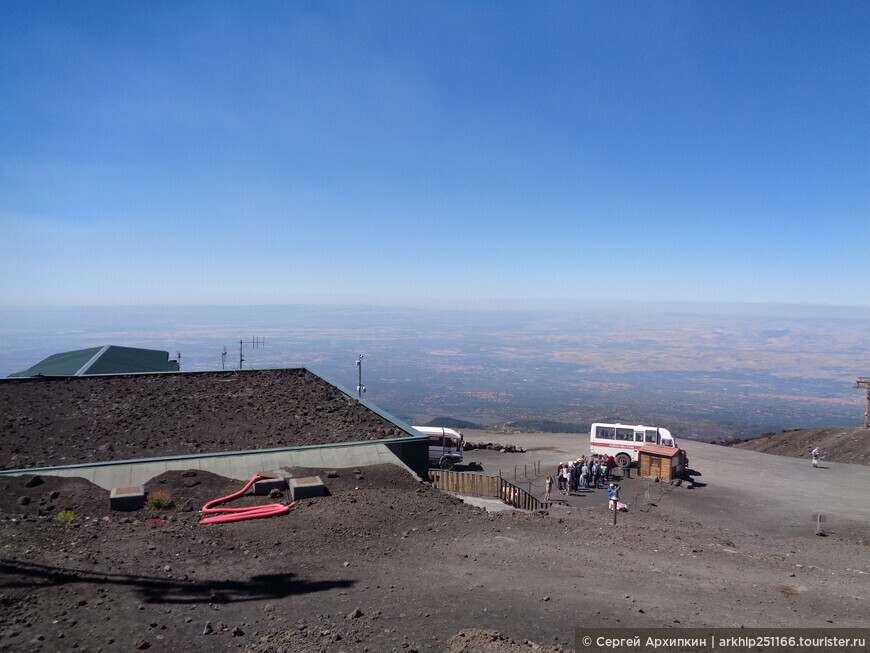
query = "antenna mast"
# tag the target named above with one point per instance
(864, 382)
(254, 342)
(360, 388)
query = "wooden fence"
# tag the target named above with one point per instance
(480, 485)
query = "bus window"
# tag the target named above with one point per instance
(625, 434)
(651, 437)
(605, 433)
(638, 436)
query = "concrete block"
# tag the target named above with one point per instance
(270, 481)
(305, 488)
(127, 498)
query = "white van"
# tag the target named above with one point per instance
(622, 441)
(445, 446)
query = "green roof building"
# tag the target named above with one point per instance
(109, 359)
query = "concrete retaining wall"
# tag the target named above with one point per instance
(409, 453)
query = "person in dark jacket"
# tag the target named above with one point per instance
(611, 465)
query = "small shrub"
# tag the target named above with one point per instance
(137, 522)
(157, 501)
(65, 516)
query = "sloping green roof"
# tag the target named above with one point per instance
(109, 359)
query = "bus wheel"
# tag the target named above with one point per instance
(447, 464)
(623, 460)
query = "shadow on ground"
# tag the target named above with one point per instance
(693, 478)
(166, 590)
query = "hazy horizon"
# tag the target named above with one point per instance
(698, 368)
(515, 305)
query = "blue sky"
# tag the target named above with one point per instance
(499, 154)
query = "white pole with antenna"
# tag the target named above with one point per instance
(360, 388)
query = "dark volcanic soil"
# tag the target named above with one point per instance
(843, 445)
(348, 568)
(384, 563)
(122, 417)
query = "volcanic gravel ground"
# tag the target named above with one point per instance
(119, 581)
(62, 421)
(386, 563)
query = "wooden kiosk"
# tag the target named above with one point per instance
(667, 463)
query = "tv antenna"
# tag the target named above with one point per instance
(254, 342)
(224, 358)
(864, 382)
(360, 388)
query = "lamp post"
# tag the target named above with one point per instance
(864, 382)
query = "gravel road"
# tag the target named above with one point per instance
(776, 495)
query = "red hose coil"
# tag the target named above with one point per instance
(239, 514)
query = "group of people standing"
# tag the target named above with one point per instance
(586, 473)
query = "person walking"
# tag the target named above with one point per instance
(560, 478)
(816, 453)
(549, 487)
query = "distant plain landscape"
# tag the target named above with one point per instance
(707, 372)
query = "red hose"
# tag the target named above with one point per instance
(238, 514)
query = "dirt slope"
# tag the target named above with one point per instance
(843, 445)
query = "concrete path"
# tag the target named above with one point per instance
(490, 505)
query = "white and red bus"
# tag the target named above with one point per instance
(622, 441)
(445, 446)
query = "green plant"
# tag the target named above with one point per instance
(137, 522)
(157, 501)
(65, 516)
